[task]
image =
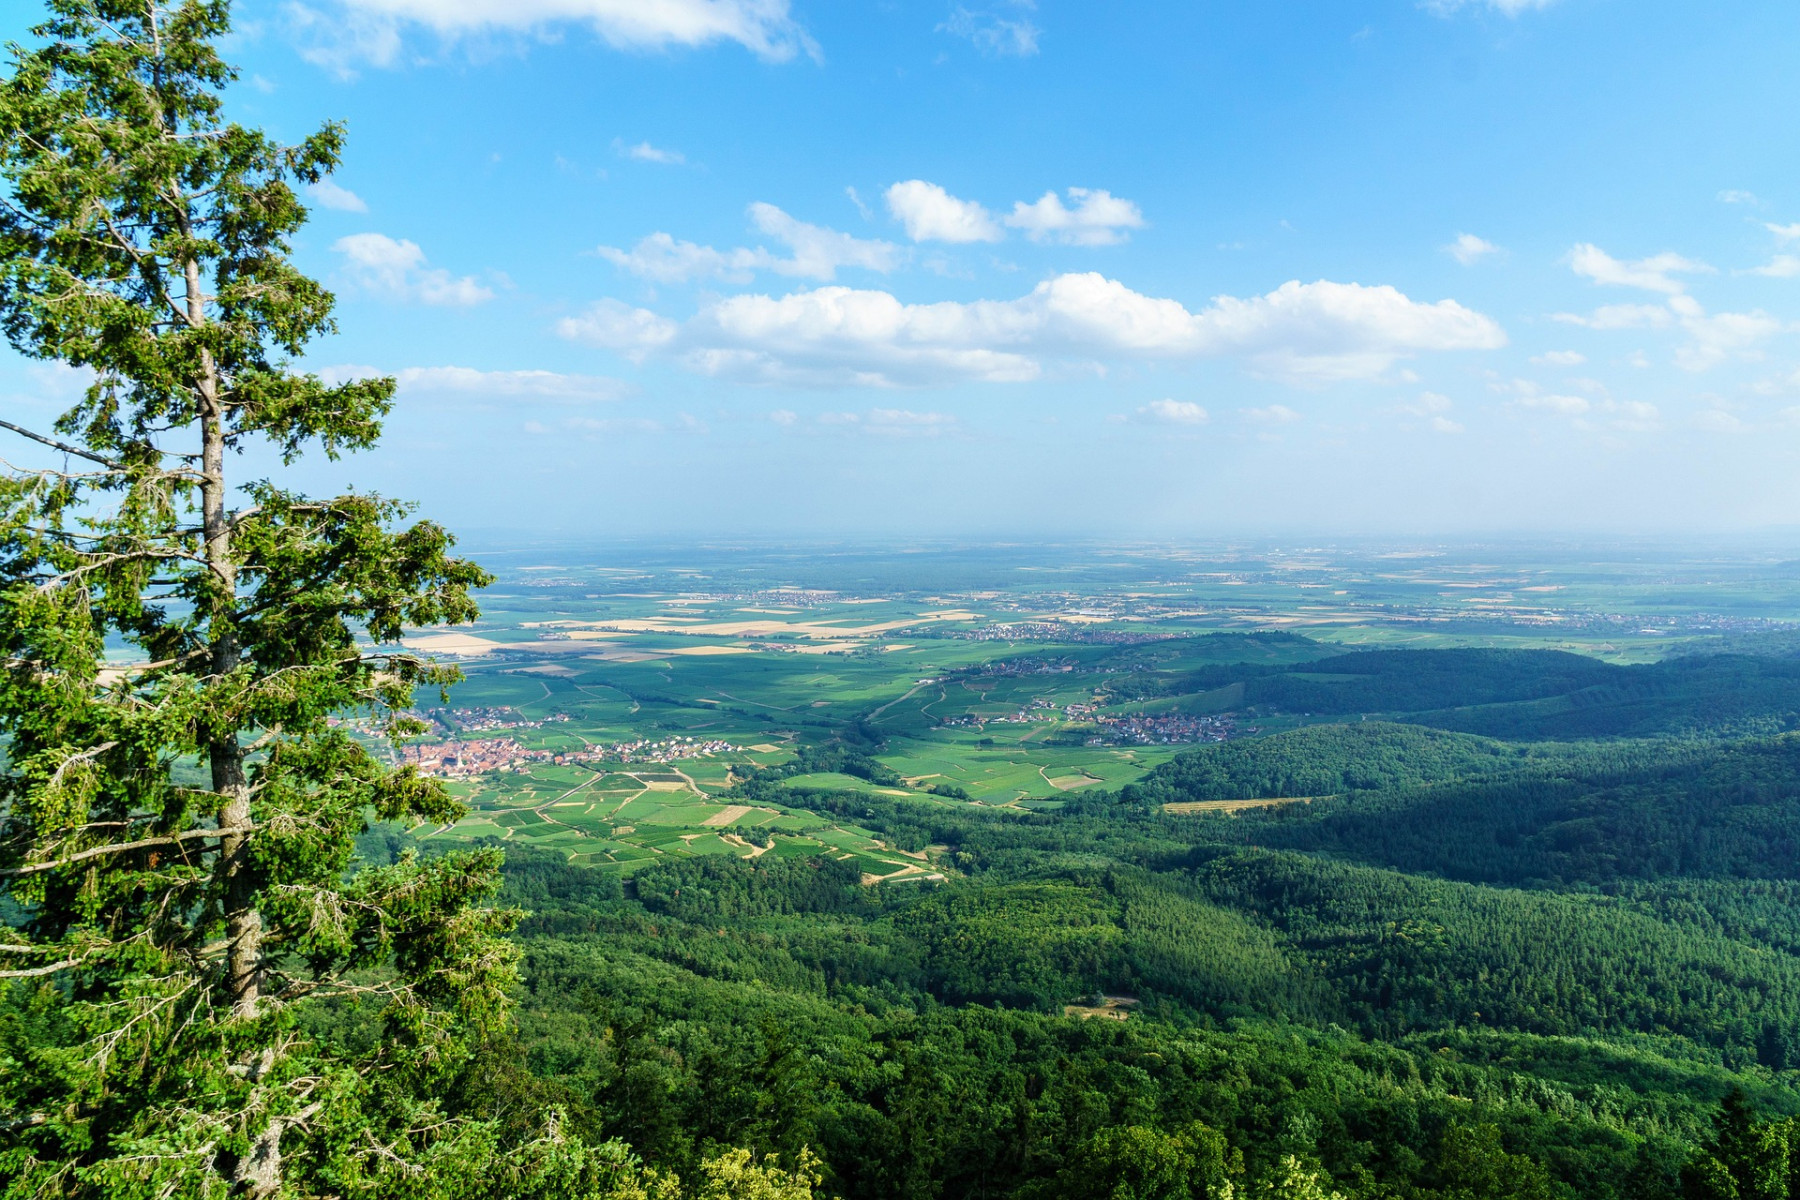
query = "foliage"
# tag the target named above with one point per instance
(168, 936)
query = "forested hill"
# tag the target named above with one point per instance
(1514, 694)
(1322, 760)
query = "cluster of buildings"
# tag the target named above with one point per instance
(452, 721)
(1159, 729)
(1046, 631)
(1130, 729)
(460, 758)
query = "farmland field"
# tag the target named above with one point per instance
(646, 698)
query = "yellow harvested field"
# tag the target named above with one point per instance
(706, 650)
(451, 643)
(613, 652)
(1195, 806)
(809, 629)
(726, 816)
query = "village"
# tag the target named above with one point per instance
(460, 759)
(1126, 729)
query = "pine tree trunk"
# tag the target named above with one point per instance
(243, 933)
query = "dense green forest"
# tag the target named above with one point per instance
(1470, 967)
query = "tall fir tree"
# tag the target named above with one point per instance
(203, 994)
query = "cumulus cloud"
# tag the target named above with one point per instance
(1274, 414)
(633, 332)
(1527, 394)
(342, 34)
(1653, 274)
(1003, 34)
(328, 194)
(1782, 266)
(1098, 218)
(1308, 333)
(397, 270)
(931, 214)
(1736, 196)
(1434, 408)
(1559, 358)
(1598, 412)
(814, 252)
(1468, 249)
(469, 381)
(892, 422)
(1713, 338)
(645, 152)
(1172, 412)
(1784, 233)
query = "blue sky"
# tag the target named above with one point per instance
(759, 266)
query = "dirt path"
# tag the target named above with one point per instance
(909, 694)
(735, 840)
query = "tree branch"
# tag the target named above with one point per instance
(122, 847)
(63, 446)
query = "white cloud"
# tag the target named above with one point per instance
(1652, 274)
(1468, 249)
(783, 417)
(814, 252)
(932, 214)
(1308, 333)
(1511, 8)
(1717, 420)
(995, 33)
(645, 152)
(892, 422)
(682, 423)
(1274, 414)
(1173, 412)
(468, 381)
(1735, 196)
(1602, 411)
(344, 33)
(397, 270)
(634, 332)
(333, 195)
(1622, 316)
(1097, 219)
(1784, 233)
(1559, 358)
(1782, 266)
(1527, 394)
(1721, 336)
(817, 252)
(1433, 407)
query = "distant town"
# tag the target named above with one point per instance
(458, 759)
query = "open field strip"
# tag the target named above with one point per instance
(1198, 806)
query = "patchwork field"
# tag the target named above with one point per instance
(665, 689)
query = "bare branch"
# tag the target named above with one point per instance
(63, 446)
(122, 847)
